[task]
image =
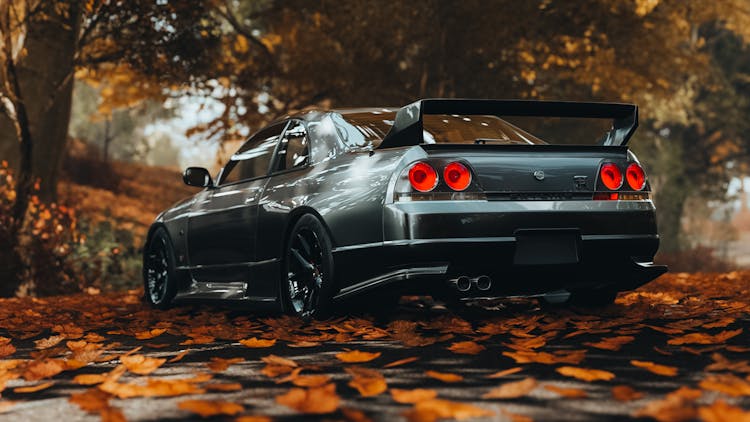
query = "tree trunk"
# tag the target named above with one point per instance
(45, 76)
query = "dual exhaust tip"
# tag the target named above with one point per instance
(464, 283)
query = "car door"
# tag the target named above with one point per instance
(222, 225)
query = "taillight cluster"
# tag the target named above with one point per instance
(612, 177)
(424, 178)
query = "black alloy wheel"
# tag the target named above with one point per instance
(159, 279)
(308, 269)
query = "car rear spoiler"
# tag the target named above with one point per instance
(407, 128)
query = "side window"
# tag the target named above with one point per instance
(254, 157)
(294, 150)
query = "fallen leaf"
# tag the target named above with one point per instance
(505, 372)
(369, 386)
(278, 360)
(573, 393)
(573, 357)
(207, 408)
(46, 343)
(148, 335)
(727, 384)
(34, 388)
(612, 343)
(140, 364)
(256, 343)
(220, 364)
(512, 390)
(720, 411)
(311, 380)
(444, 376)
(432, 410)
(585, 374)
(703, 338)
(153, 388)
(466, 348)
(7, 350)
(354, 415)
(355, 356)
(675, 406)
(219, 386)
(668, 371)
(412, 396)
(89, 379)
(253, 419)
(91, 400)
(625, 393)
(401, 362)
(316, 400)
(112, 414)
(178, 357)
(38, 370)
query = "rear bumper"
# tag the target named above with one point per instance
(430, 242)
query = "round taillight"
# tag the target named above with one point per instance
(636, 176)
(423, 177)
(457, 176)
(611, 176)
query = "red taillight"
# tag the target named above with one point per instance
(636, 176)
(606, 196)
(457, 176)
(611, 176)
(423, 177)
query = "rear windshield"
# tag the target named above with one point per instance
(369, 129)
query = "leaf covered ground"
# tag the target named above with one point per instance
(677, 349)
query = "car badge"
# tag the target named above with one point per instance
(580, 182)
(538, 175)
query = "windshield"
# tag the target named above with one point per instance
(367, 129)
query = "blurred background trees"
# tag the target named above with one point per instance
(144, 70)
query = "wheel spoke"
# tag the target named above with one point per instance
(306, 249)
(301, 260)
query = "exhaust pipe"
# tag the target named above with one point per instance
(462, 284)
(482, 282)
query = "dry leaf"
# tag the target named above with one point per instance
(220, 364)
(89, 379)
(253, 419)
(46, 343)
(147, 335)
(585, 374)
(278, 360)
(38, 370)
(505, 372)
(466, 348)
(207, 408)
(256, 343)
(703, 338)
(625, 393)
(573, 357)
(675, 406)
(178, 357)
(573, 393)
(91, 400)
(355, 356)
(311, 380)
(727, 384)
(112, 414)
(218, 386)
(34, 388)
(369, 386)
(720, 411)
(140, 364)
(444, 376)
(401, 362)
(512, 390)
(612, 343)
(432, 410)
(657, 369)
(412, 396)
(316, 400)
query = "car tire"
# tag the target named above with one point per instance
(307, 270)
(159, 273)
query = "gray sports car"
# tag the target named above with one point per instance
(441, 197)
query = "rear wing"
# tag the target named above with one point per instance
(407, 128)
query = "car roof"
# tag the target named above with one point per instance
(314, 114)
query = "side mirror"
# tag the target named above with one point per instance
(197, 176)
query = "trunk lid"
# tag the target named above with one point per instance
(532, 172)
